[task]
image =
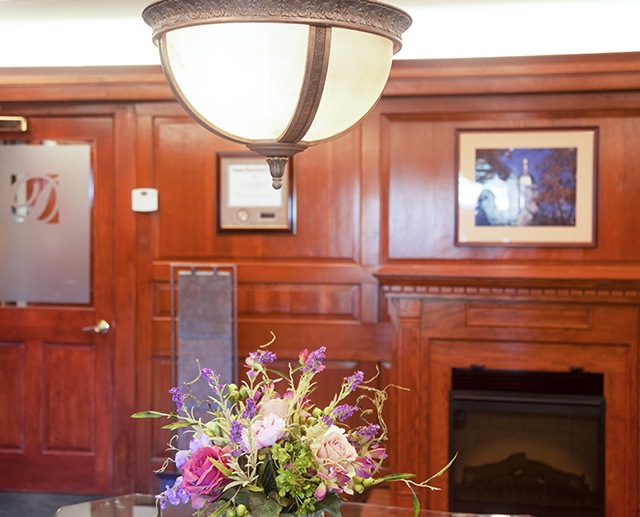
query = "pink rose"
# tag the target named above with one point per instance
(335, 447)
(268, 431)
(337, 460)
(201, 479)
(276, 405)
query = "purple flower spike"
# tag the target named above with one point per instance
(211, 377)
(354, 381)
(250, 409)
(368, 432)
(341, 413)
(327, 420)
(235, 433)
(312, 362)
(177, 397)
(261, 357)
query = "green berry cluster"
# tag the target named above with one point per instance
(295, 481)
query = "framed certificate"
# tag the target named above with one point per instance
(246, 199)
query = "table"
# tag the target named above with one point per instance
(142, 505)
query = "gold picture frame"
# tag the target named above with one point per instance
(526, 187)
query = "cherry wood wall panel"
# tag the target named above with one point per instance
(275, 299)
(161, 382)
(419, 150)
(184, 171)
(546, 308)
(312, 274)
(311, 288)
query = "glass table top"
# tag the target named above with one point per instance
(142, 505)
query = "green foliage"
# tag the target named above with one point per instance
(149, 414)
(296, 483)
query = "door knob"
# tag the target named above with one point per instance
(102, 327)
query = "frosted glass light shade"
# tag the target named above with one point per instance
(358, 70)
(241, 79)
(277, 76)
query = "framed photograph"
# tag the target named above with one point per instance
(526, 187)
(246, 199)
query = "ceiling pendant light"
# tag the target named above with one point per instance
(277, 75)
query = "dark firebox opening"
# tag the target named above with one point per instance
(527, 442)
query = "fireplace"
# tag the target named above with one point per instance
(511, 318)
(527, 442)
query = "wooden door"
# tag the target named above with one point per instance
(57, 380)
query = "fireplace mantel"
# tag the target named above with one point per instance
(518, 317)
(525, 281)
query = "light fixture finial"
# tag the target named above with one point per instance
(277, 165)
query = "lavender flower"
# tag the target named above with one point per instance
(341, 413)
(211, 377)
(354, 381)
(327, 420)
(260, 357)
(312, 362)
(177, 397)
(250, 409)
(235, 433)
(367, 433)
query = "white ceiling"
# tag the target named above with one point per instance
(111, 32)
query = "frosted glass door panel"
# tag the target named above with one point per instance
(45, 223)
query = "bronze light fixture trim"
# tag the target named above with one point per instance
(337, 55)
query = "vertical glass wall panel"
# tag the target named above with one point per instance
(46, 195)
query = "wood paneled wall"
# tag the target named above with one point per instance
(381, 198)
(311, 288)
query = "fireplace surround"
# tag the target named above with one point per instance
(505, 319)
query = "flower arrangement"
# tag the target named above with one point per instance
(267, 452)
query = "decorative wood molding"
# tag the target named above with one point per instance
(540, 74)
(604, 284)
(537, 74)
(105, 83)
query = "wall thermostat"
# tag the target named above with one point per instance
(144, 199)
